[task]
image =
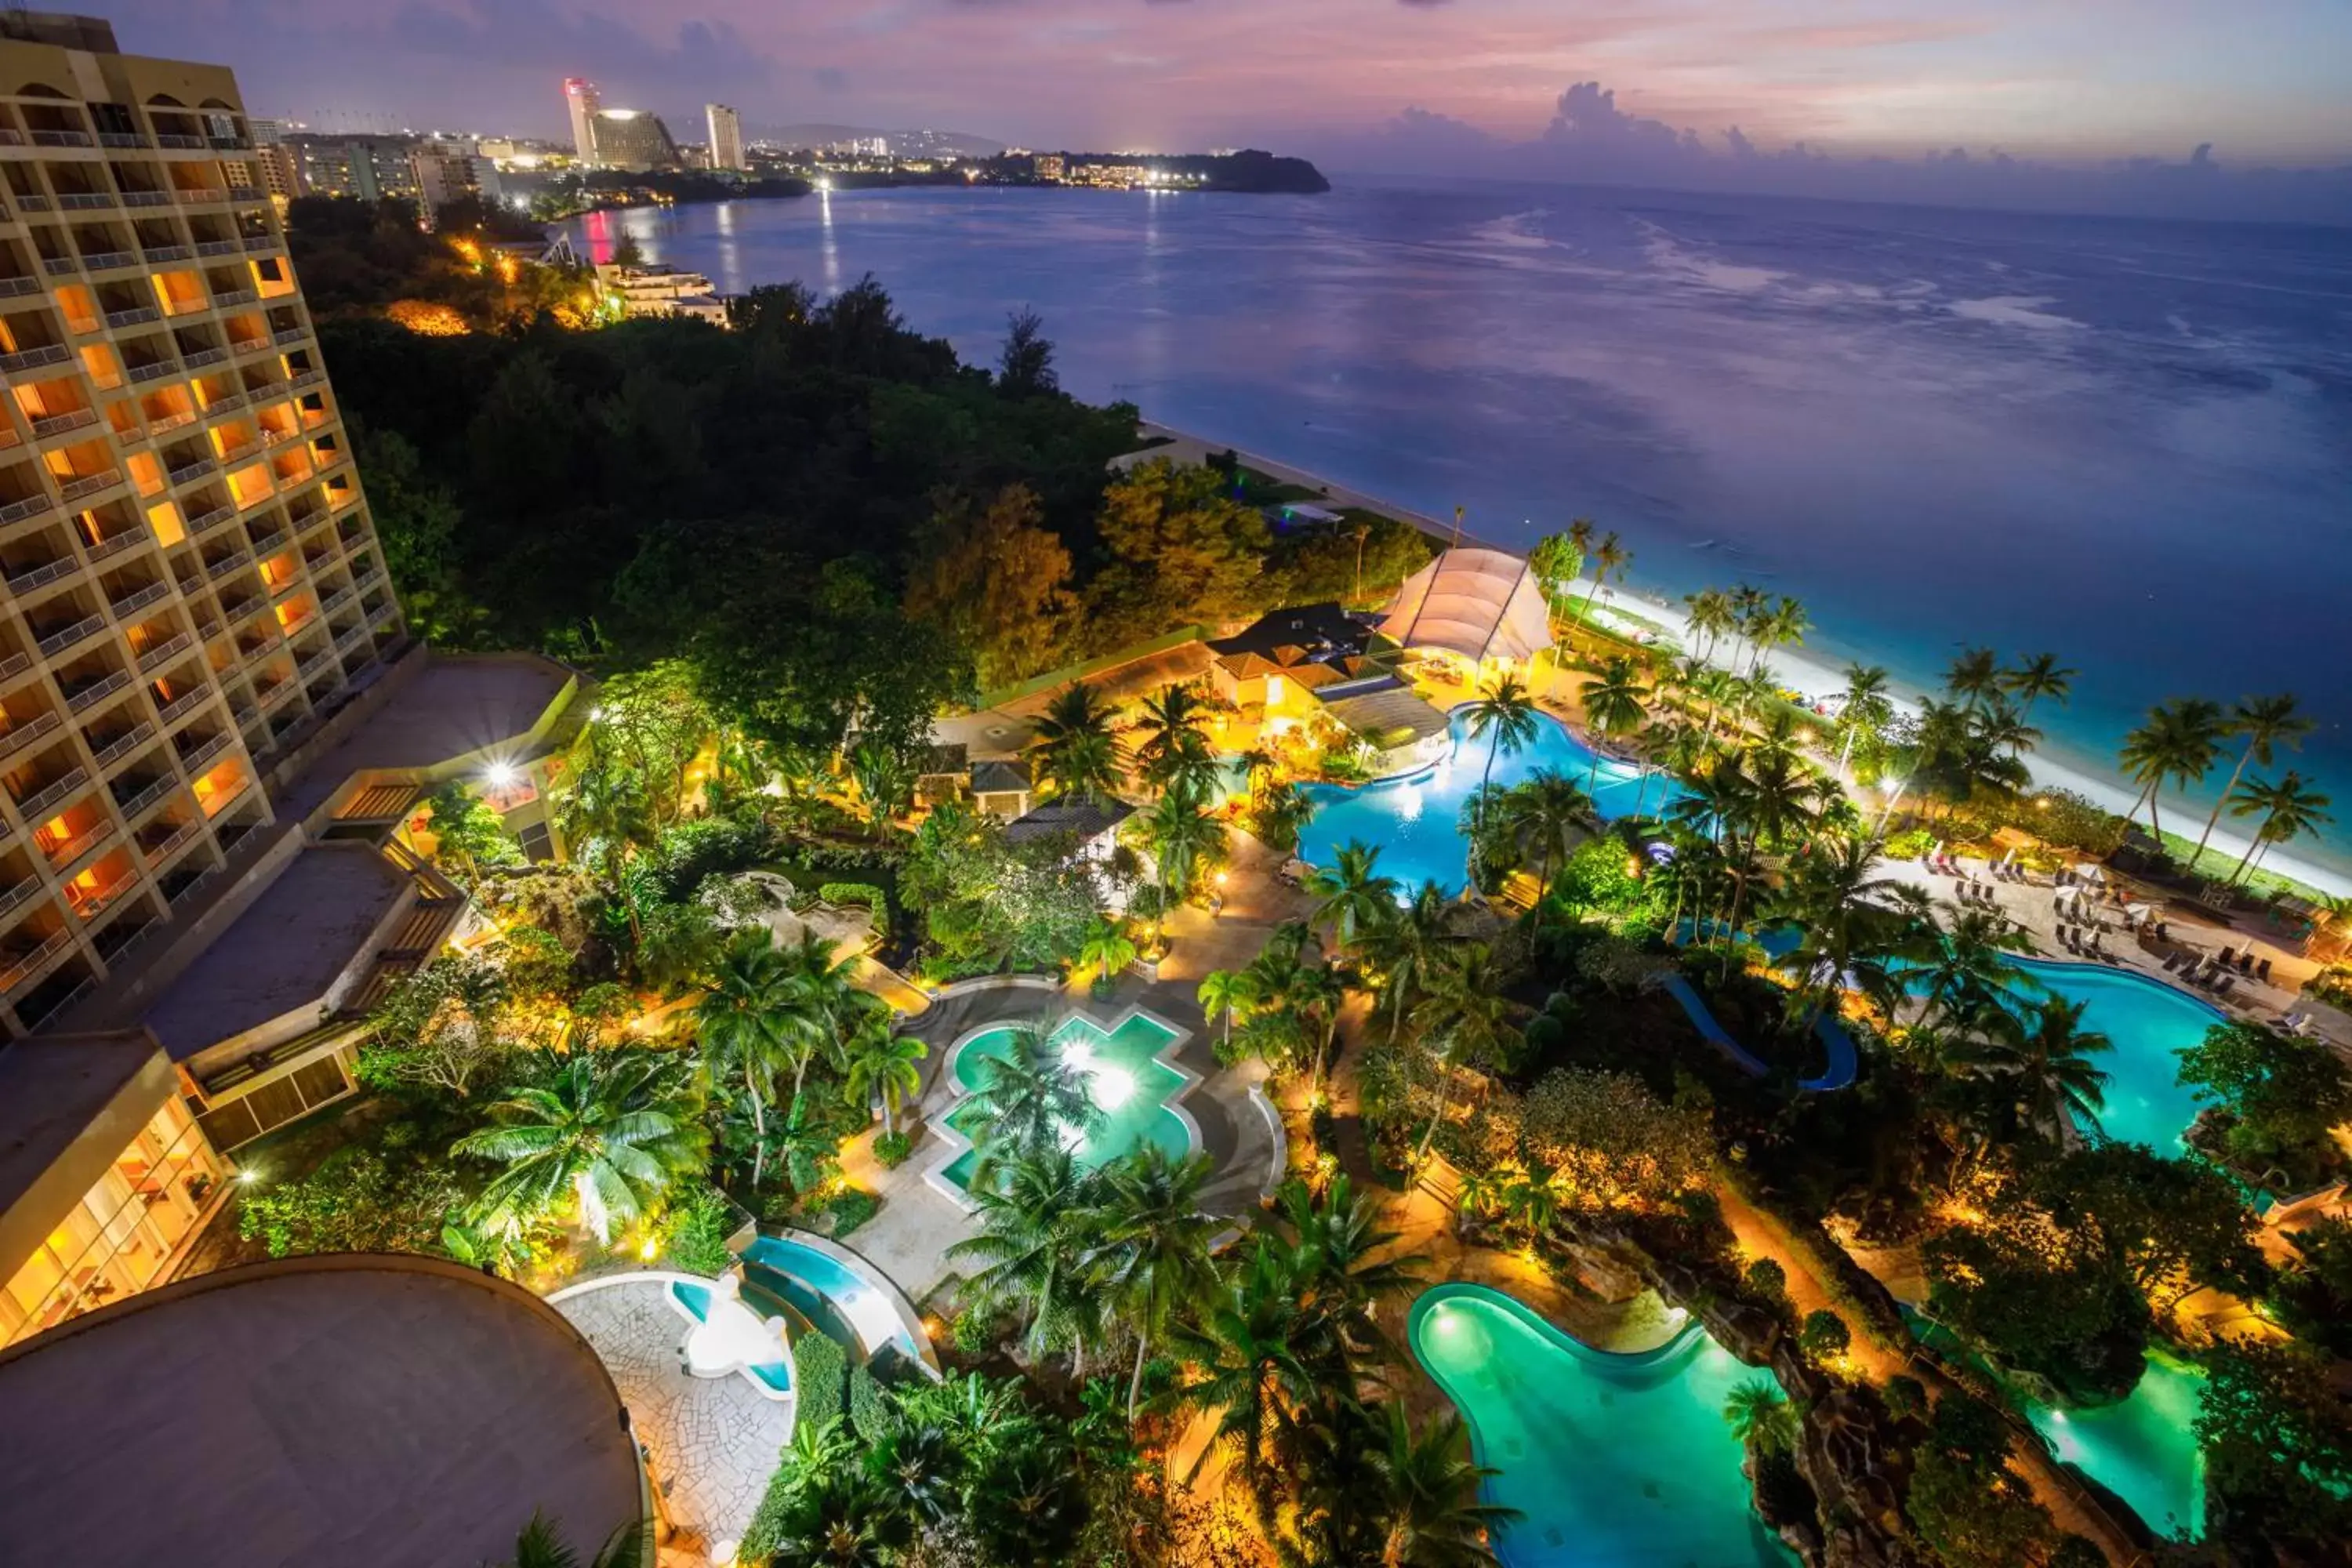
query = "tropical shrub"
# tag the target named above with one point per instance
(1824, 1336)
(1767, 1280)
(695, 1230)
(891, 1149)
(357, 1200)
(847, 1209)
(869, 1413)
(858, 895)
(820, 1377)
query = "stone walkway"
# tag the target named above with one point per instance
(713, 1442)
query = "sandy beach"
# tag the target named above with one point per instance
(1815, 679)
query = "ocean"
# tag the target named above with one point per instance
(2127, 442)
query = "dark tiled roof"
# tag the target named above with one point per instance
(1084, 819)
(1000, 776)
(1301, 633)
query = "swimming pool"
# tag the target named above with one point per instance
(1617, 1461)
(850, 1308)
(1415, 819)
(1135, 1089)
(729, 1334)
(2144, 1449)
(2148, 1021)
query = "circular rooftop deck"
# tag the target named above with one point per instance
(356, 1409)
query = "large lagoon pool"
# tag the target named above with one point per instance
(2143, 1449)
(1128, 1082)
(2148, 1021)
(1617, 1461)
(1414, 819)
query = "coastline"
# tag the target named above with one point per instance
(1798, 670)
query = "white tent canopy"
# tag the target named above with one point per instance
(1480, 604)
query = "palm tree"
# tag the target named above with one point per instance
(2177, 744)
(1173, 724)
(1030, 1217)
(1505, 715)
(1153, 1245)
(1863, 707)
(1344, 1261)
(1610, 559)
(2266, 723)
(825, 1005)
(1468, 1015)
(1427, 1495)
(603, 812)
(1613, 706)
(1963, 968)
(1973, 676)
(1781, 625)
(1075, 751)
(542, 1545)
(1849, 927)
(1249, 1347)
(1316, 995)
(2000, 727)
(2045, 1056)
(2289, 808)
(1106, 950)
(1224, 992)
(1748, 609)
(1549, 808)
(1710, 616)
(609, 1134)
(1282, 814)
(1031, 1097)
(1412, 945)
(2037, 677)
(1351, 896)
(1184, 840)
(1761, 1417)
(883, 1064)
(748, 1022)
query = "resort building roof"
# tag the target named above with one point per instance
(372, 1412)
(1004, 775)
(297, 949)
(1480, 604)
(1085, 819)
(1387, 712)
(53, 1091)
(1291, 637)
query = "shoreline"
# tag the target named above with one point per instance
(1798, 670)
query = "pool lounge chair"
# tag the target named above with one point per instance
(2262, 971)
(2221, 988)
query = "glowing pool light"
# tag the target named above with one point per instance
(1108, 1087)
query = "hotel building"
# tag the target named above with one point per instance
(726, 136)
(214, 728)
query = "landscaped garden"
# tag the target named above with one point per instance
(1553, 1026)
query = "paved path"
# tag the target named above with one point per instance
(713, 1441)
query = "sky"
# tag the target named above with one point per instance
(1355, 83)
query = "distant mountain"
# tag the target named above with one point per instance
(936, 143)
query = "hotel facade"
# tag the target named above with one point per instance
(214, 730)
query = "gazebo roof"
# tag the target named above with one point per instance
(1480, 604)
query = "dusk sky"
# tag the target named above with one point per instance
(2052, 80)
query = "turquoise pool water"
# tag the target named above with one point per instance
(1414, 819)
(844, 1305)
(2148, 1021)
(2144, 1449)
(696, 1299)
(1616, 1461)
(1128, 1084)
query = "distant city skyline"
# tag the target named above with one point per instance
(1695, 91)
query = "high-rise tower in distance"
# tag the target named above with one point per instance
(726, 136)
(581, 97)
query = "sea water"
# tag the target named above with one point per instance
(2126, 442)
